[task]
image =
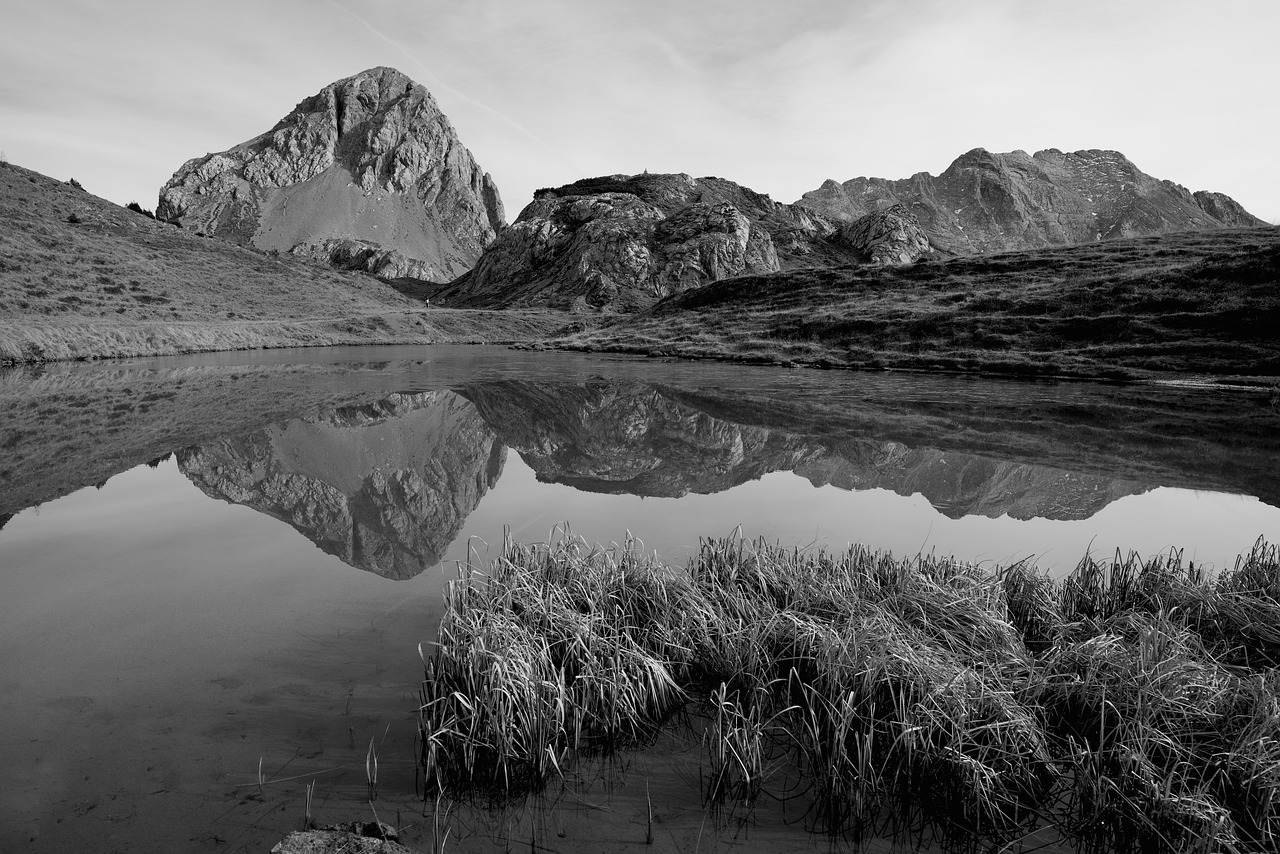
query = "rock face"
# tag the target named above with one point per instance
(368, 257)
(623, 242)
(369, 159)
(886, 237)
(988, 202)
(384, 487)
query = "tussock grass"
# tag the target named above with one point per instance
(1132, 706)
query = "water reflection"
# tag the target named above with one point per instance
(385, 487)
(157, 645)
(617, 438)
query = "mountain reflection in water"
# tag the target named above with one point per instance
(387, 486)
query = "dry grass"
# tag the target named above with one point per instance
(117, 283)
(1205, 303)
(1131, 707)
(93, 339)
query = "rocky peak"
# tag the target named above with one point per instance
(989, 202)
(622, 242)
(370, 158)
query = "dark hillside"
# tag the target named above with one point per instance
(1198, 303)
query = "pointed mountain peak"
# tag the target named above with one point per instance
(367, 172)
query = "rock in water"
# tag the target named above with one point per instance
(622, 242)
(368, 162)
(988, 202)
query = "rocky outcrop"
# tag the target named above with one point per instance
(886, 237)
(622, 242)
(332, 840)
(385, 487)
(987, 202)
(370, 159)
(367, 257)
(630, 438)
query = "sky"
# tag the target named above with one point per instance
(777, 95)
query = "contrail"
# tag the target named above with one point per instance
(437, 83)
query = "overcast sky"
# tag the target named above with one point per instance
(774, 94)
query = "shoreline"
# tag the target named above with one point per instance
(90, 339)
(82, 340)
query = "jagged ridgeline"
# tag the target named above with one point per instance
(366, 174)
(623, 242)
(987, 202)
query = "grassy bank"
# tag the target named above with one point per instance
(1196, 303)
(103, 338)
(1132, 706)
(83, 278)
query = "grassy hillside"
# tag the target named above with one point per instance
(1198, 303)
(81, 277)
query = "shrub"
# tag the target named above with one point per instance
(73, 182)
(137, 208)
(74, 220)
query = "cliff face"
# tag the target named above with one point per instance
(987, 202)
(618, 438)
(369, 158)
(384, 487)
(622, 242)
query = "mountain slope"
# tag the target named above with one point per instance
(369, 166)
(987, 202)
(1201, 302)
(115, 283)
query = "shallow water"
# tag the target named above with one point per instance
(213, 562)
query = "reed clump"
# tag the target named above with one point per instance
(1132, 706)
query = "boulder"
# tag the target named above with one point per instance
(340, 841)
(892, 236)
(620, 243)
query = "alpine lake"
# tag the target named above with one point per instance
(217, 572)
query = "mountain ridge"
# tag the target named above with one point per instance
(988, 202)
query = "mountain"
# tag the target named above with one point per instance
(385, 487)
(987, 202)
(366, 169)
(620, 243)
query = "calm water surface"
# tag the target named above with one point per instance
(211, 563)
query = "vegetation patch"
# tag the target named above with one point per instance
(1133, 706)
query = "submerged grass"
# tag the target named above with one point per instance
(1133, 706)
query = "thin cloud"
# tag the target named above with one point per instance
(436, 83)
